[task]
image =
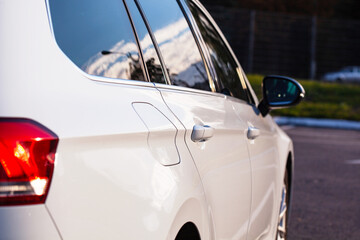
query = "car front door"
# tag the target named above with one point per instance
(260, 132)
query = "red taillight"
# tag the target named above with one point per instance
(27, 154)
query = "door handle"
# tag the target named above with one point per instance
(253, 133)
(201, 133)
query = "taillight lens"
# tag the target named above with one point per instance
(27, 154)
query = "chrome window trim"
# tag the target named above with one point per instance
(164, 87)
(185, 89)
(114, 80)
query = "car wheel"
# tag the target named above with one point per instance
(283, 213)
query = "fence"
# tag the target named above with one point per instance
(284, 44)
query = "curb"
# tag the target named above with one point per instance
(321, 123)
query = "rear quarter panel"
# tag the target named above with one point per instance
(106, 182)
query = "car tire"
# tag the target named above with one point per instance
(282, 226)
(188, 232)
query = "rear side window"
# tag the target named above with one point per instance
(230, 76)
(177, 45)
(97, 36)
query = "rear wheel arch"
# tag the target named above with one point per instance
(192, 221)
(188, 231)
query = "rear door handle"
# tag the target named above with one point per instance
(201, 133)
(253, 133)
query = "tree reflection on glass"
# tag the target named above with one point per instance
(122, 61)
(86, 28)
(177, 45)
(150, 55)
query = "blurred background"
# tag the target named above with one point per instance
(318, 43)
(314, 41)
(302, 38)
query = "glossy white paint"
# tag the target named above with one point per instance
(265, 169)
(222, 161)
(269, 148)
(265, 163)
(105, 183)
(120, 190)
(162, 133)
(126, 166)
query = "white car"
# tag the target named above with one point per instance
(133, 120)
(347, 74)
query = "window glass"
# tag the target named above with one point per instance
(230, 76)
(177, 44)
(150, 55)
(97, 36)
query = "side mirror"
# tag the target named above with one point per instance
(280, 92)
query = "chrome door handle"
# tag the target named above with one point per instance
(201, 133)
(253, 133)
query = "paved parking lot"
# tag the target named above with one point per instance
(326, 199)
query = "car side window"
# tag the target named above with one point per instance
(230, 77)
(178, 48)
(97, 36)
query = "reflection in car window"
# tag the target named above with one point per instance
(177, 44)
(151, 58)
(230, 76)
(97, 37)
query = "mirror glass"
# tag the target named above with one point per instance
(281, 91)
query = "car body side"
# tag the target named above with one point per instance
(106, 184)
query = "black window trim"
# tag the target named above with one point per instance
(153, 39)
(187, 14)
(143, 66)
(252, 99)
(201, 43)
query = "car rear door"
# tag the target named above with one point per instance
(215, 136)
(117, 137)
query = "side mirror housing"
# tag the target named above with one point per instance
(280, 92)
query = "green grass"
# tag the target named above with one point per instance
(322, 100)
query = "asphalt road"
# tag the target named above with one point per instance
(326, 198)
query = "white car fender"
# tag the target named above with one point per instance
(286, 156)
